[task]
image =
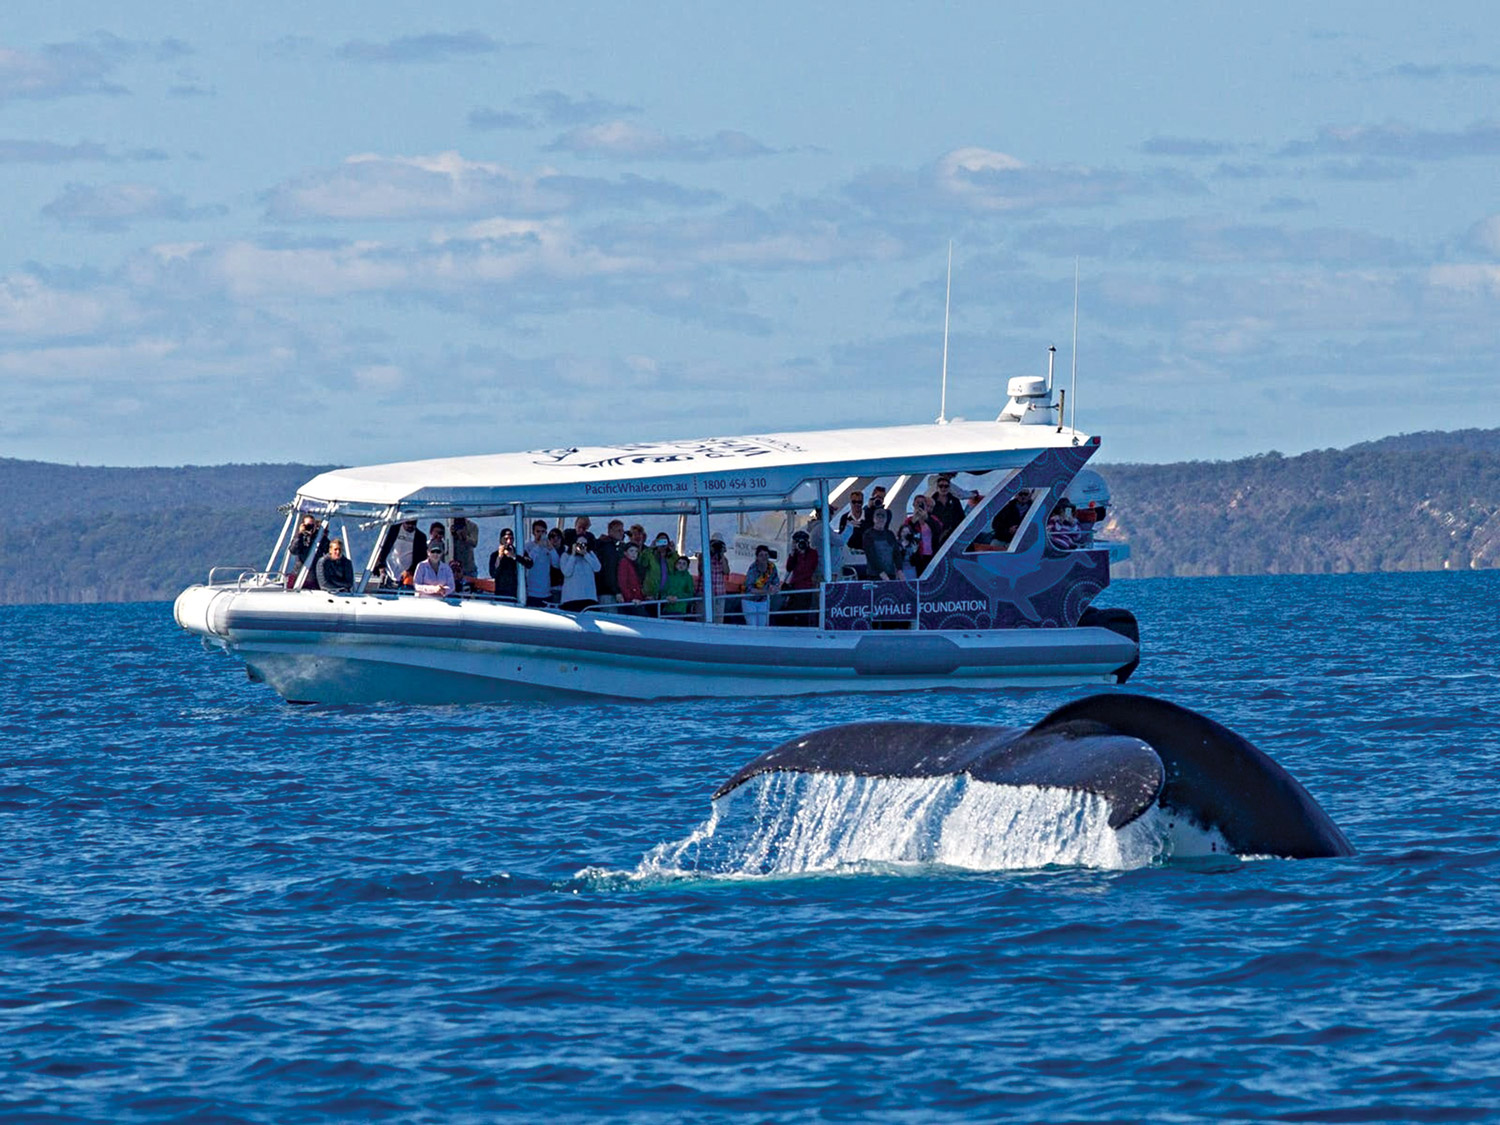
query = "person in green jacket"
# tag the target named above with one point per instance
(661, 561)
(679, 593)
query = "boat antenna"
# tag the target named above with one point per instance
(942, 418)
(1073, 394)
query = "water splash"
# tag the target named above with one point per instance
(787, 823)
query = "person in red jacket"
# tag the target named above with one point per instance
(801, 574)
(631, 593)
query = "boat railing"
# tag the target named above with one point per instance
(243, 577)
(790, 607)
(795, 608)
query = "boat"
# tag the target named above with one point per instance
(985, 613)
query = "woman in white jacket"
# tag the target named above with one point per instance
(579, 565)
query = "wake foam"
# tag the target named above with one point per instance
(789, 823)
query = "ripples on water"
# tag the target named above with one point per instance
(217, 906)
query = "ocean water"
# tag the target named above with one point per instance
(215, 906)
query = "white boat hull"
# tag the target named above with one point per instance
(320, 648)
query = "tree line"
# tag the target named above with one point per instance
(1428, 501)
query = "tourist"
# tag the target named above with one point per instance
(718, 575)
(298, 551)
(926, 533)
(433, 577)
(946, 508)
(607, 548)
(463, 535)
(906, 552)
(852, 521)
(662, 560)
(578, 565)
(542, 558)
(762, 581)
(882, 549)
(1009, 518)
(1062, 529)
(677, 597)
(505, 562)
(403, 548)
(801, 574)
(628, 578)
(334, 573)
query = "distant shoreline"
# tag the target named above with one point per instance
(1417, 502)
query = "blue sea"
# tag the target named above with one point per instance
(215, 906)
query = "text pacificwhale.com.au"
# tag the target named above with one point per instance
(635, 487)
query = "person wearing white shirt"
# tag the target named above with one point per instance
(434, 577)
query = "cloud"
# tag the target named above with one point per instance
(428, 48)
(550, 109)
(1186, 146)
(1239, 170)
(38, 306)
(1396, 141)
(983, 181)
(447, 186)
(1484, 236)
(1428, 71)
(19, 151)
(49, 152)
(1364, 170)
(114, 207)
(791, 236)
(1287, 204)
(1206, 240)
(623, 140)
(78, 67)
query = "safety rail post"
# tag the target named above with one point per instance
(280, 539)
(824, 517)
(518, 533)
(705, 563)
(385, 528)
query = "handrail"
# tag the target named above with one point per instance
(692, 607)
(239, 572)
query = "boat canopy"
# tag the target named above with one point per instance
(731, 473)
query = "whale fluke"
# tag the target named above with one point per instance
(1132, 750)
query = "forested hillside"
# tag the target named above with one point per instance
(100, 534)
(1425, 501)
(1416, 502)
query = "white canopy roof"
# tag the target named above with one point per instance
(669, 473)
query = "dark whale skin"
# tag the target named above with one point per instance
(1132, 750)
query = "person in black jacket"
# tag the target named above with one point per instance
(503, 563)
(607, 548)
(300, 548)
(947, 508)
(335, 574)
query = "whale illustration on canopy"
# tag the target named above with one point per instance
(1133, 751)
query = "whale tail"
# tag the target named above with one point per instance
(1215, 776)
(1133, 751)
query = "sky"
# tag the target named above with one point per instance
(365, 232)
